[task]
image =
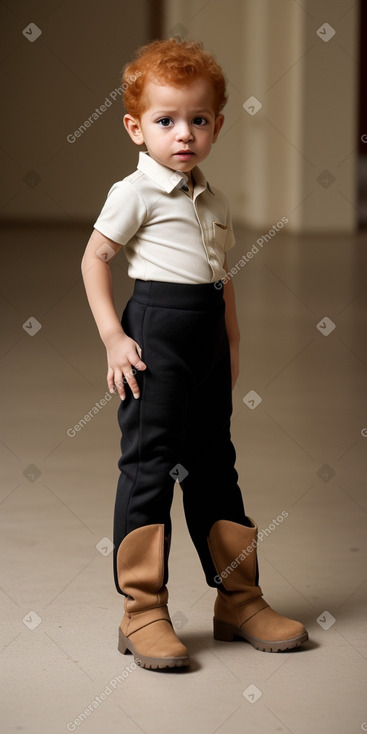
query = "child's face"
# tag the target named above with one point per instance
(178, 125)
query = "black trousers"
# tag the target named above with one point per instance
(180, 426)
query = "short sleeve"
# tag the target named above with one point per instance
(123, 213)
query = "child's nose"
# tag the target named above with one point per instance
(184, 132)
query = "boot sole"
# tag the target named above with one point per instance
(125, 645)
(225, 632)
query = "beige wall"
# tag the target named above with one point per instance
(51, 87)
(267, 164)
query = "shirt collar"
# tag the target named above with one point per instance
(168, 179)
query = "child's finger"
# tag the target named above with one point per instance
(130, 379)
(119, 383)
(110, 380)
(140, 365)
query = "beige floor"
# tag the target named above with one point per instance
(302, 450)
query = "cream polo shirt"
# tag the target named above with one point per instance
(167, 235)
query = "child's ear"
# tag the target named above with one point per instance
(217, 126)
(132, 126)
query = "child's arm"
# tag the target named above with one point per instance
(122, 351)
(232, 327)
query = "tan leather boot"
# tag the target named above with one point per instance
(146, 628)
(242, 612)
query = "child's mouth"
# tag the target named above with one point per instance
(184, 154)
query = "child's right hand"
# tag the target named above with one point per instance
(123, 357)
(123, 353)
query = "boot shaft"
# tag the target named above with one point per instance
(141, 568)
(233, 550)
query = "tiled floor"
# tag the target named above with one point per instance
(301, 450)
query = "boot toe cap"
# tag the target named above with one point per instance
(272, 628)
(158, 641)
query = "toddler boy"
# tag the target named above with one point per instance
(173, 359)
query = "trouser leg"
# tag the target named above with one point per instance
(152, 427)
(210, 490)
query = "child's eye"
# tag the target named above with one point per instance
(164, 121)
(200, 121)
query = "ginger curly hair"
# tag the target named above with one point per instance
(173, 62)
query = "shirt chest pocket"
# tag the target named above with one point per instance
(223, 236)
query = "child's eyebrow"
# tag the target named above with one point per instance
(173, 112)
